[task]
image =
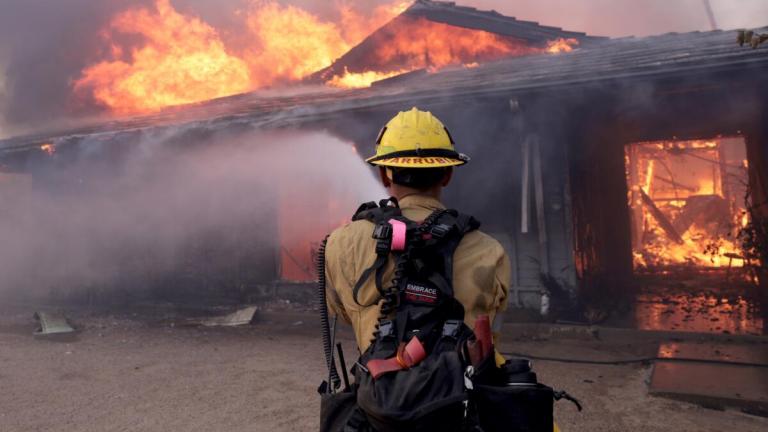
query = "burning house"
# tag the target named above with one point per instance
(598, 163)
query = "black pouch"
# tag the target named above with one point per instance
(515, 407)
(336, 410)
(509, 398)
(428, 397)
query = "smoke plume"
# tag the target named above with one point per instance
(175, 213)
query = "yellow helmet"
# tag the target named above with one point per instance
(416, 139)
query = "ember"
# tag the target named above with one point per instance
(361, 79)
(561, 45)
(48, 148)
(686, 199)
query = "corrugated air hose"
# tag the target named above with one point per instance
(325, 325)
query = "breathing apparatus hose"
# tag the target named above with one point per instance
(391, 295)
(325, 326)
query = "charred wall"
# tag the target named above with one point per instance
(602, 243)
(757, 153)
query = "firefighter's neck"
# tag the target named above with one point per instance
(400, 192)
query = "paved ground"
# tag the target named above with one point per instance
(130, 373)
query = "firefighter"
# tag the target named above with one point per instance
(415, 156)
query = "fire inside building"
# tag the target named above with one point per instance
(619, 174)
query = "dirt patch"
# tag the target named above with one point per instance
(131, 374)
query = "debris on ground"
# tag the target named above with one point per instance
(713, 375)
(239, 317)
(52, 324)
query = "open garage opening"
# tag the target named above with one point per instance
(687, 208)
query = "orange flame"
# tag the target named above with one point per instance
(183, 60)
(49, 148)
(289, 43)
(361, 79)
(420, 43)
(356, 27)
(409, 44)
(721, 252)
(561, 45)
(673, 174)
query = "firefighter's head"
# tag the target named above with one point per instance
(415, 151)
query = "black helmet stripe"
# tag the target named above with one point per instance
(381, 135)
(450, 138)
(419, 153)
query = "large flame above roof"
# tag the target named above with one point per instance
(411, 43)
(180, 59)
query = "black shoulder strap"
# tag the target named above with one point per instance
(386, 209)
(463, 225)
(363, 211)
(447, 228)
(380, 215)
(378, 267)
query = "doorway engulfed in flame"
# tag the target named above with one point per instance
(686, 202)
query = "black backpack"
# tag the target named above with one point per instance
(418, 373)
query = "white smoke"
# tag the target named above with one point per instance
(101, 223)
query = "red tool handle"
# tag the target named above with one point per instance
(483, 335)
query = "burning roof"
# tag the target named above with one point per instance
(155, 56)
(431, 35)
(181, 59)
(628, 59)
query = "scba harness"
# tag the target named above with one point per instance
(425, 370)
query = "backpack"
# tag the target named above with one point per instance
(425, 369)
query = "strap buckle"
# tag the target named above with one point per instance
(440, 230)
(386, 328)
(451, 328)
(382, 231)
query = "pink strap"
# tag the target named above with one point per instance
(408, 355)
(413, 353)
(398, 234)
